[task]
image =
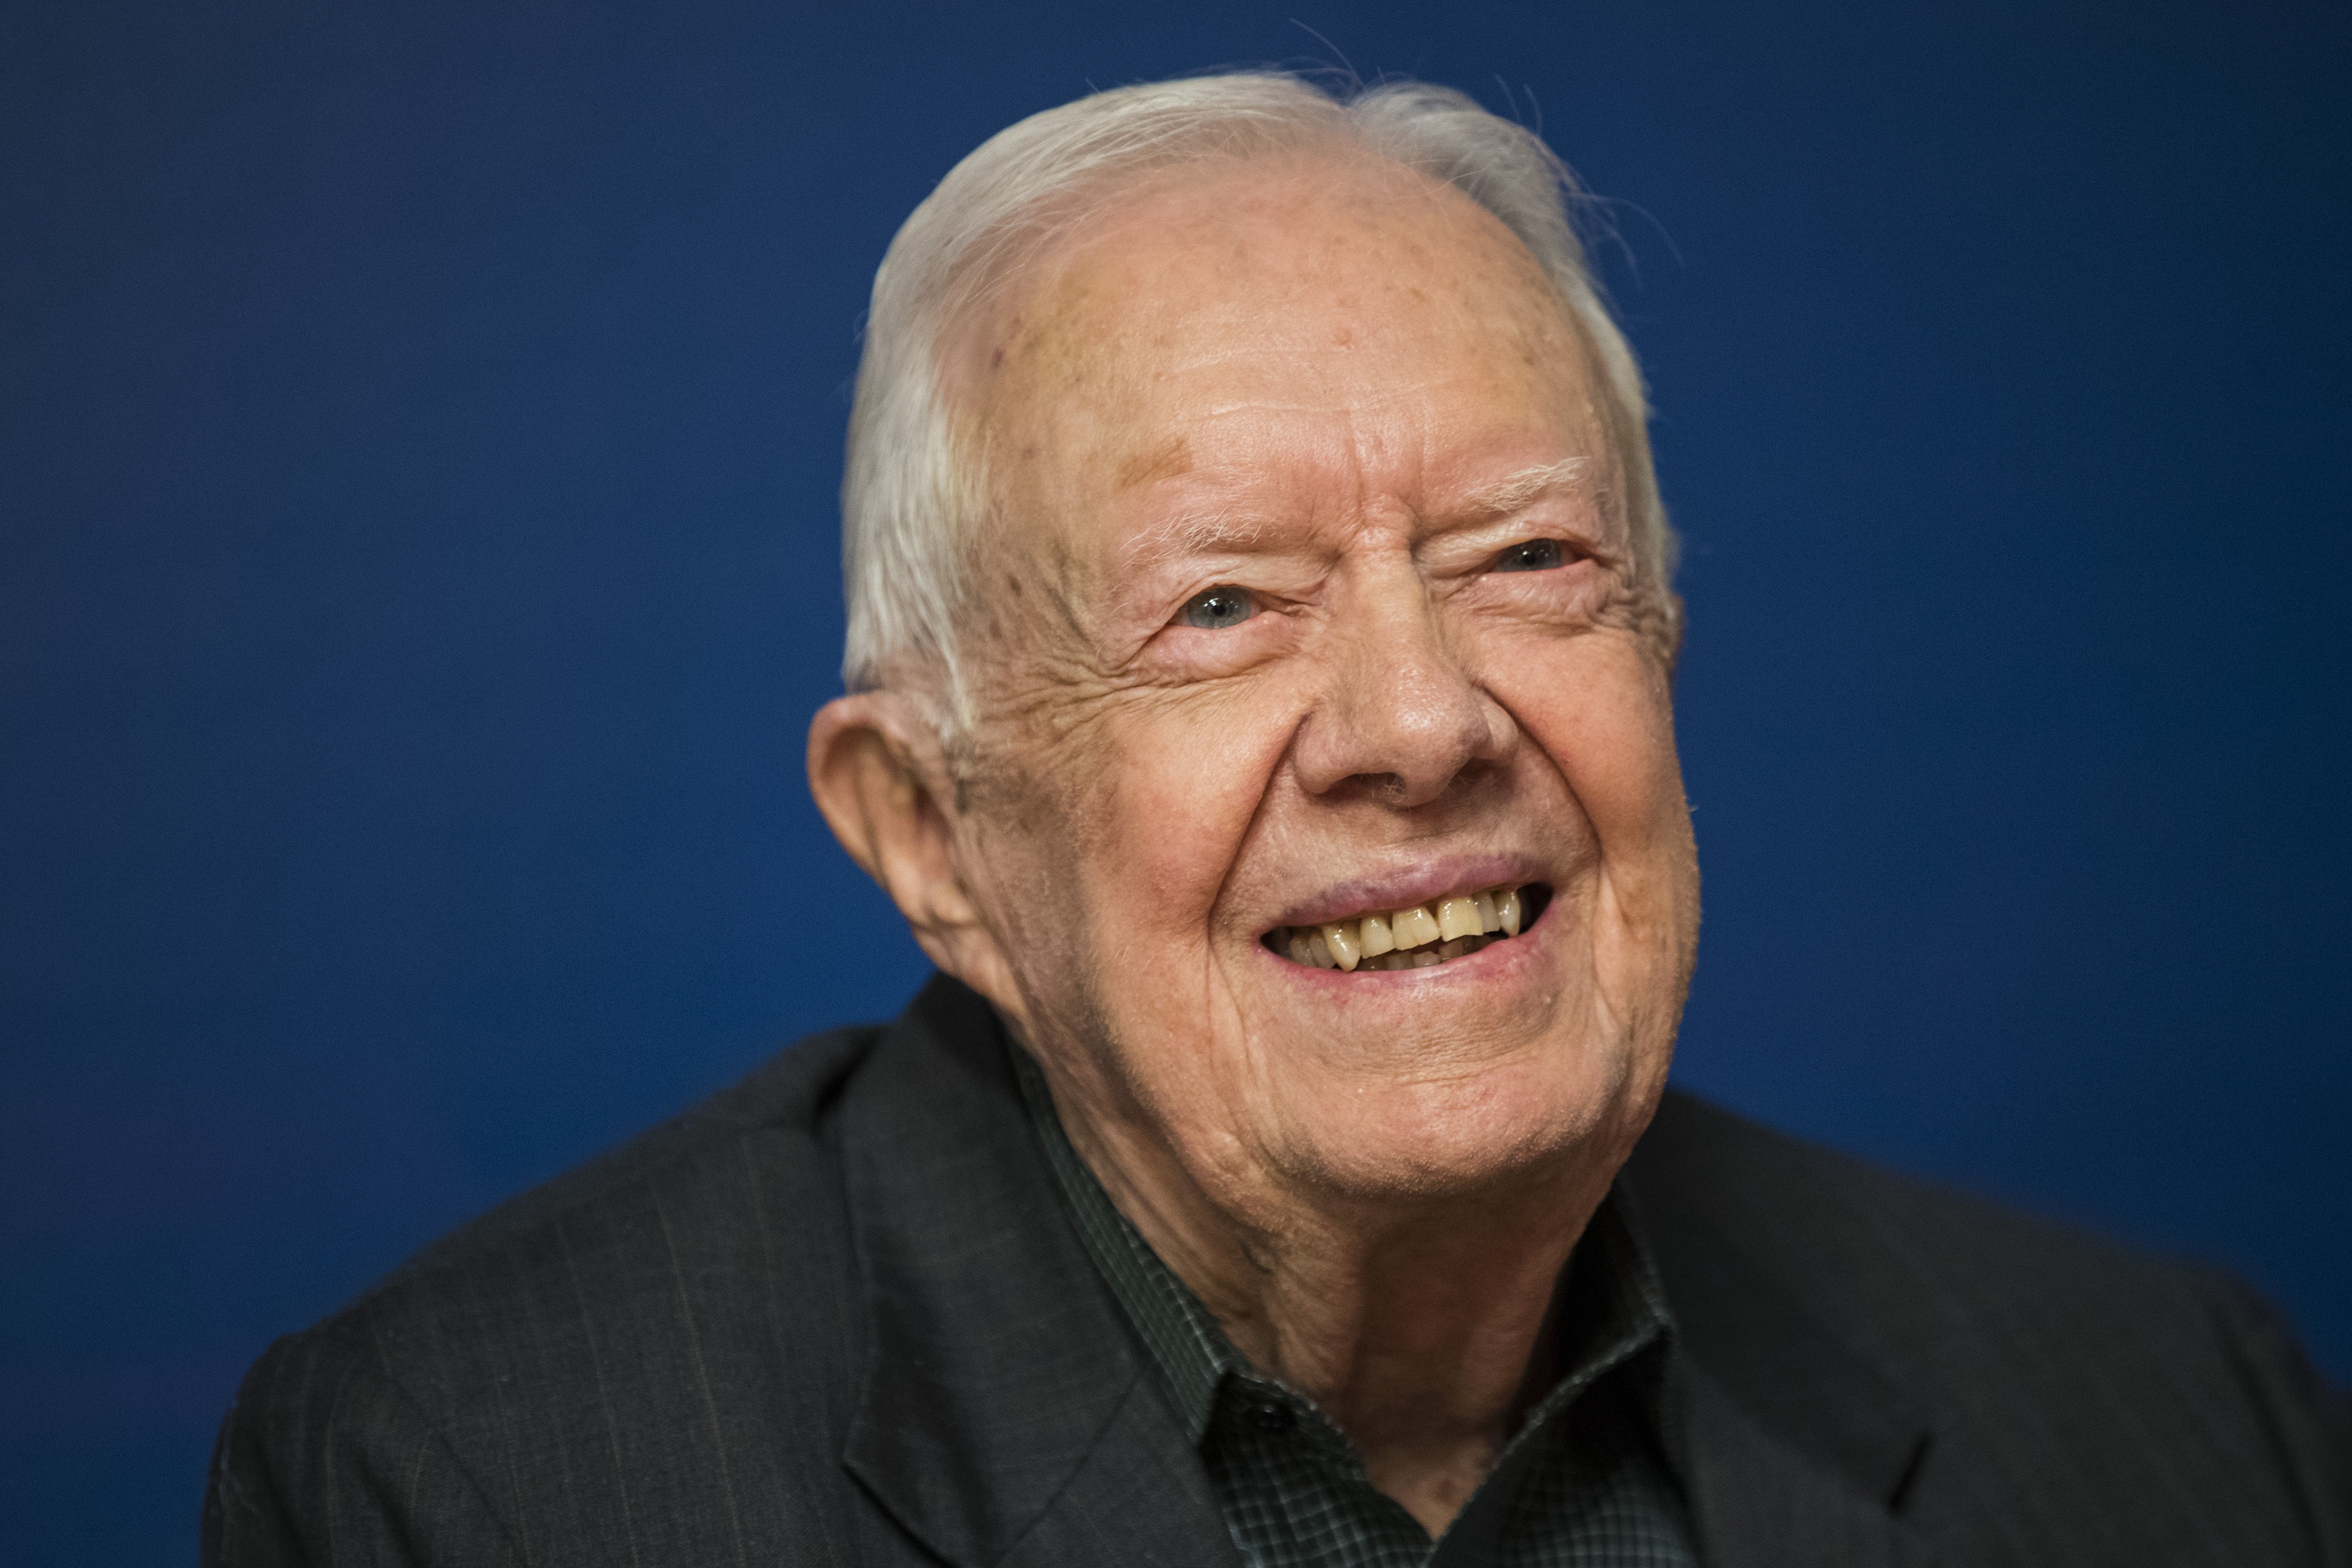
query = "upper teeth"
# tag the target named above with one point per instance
(1457, 923)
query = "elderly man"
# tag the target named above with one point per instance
(1259, 662)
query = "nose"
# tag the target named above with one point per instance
(1400, 718)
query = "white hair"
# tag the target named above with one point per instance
(914, 496)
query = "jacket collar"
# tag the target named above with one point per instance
(1761, 1498)
(1795, 1446)
(1006, 1418)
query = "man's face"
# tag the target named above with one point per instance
(1310, 600)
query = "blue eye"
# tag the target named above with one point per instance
(1217, 608)
(1531, 555)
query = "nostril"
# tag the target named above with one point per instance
(1376, 785)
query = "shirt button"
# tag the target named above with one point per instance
(1270, 1418)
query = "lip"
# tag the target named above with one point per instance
(1409, 885)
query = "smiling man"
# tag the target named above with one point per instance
(1260, 654)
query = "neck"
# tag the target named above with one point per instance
(1418, 1326)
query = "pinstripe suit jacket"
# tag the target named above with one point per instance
(836, 1315)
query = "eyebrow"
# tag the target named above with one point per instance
(1222, 532)
(1514, 491)
(1191, 534)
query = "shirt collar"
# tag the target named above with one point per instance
(1186, 1347)
(1610, 1307)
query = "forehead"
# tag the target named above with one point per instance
(1284, 323)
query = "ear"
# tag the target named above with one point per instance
(881, 778)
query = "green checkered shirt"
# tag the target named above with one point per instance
(1584, 1484)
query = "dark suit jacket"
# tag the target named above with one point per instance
(836, 1315)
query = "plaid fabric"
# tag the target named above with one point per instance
(1583, 1485)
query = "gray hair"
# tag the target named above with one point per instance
(914, 496)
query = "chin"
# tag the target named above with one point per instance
(1478, 1135)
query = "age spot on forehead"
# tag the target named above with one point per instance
(1165, 461)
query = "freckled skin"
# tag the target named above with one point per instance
(1294, 379)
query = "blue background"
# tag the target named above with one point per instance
(421, 426)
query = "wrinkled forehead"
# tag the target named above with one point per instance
(1258, 317)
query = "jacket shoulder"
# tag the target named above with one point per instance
(786, 1094)
(613, 1347)
(1880, 1254)
(2071, 1393)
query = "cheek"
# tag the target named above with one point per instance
(1599, 709)
(1178, 804)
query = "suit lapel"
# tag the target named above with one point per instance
(1006, 1415)
(1797, 1450)
(1757, 1500)
(1140, 1496)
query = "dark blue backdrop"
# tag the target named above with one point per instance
(420, 428)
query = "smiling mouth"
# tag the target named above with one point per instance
(1418, 936)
